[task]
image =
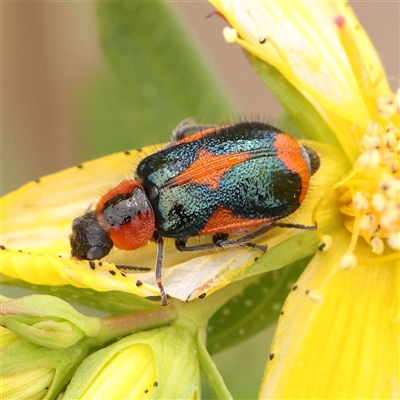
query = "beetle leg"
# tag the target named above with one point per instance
(221, 239)
(187, 125)
(247, 239)
(131, 268)
(159, 265)
(297, 226)
(180, 244)
(179, 132)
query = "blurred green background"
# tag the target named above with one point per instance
(65, 100)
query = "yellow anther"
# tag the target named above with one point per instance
(394, 240)
(373, 128)
(377, 245)
(326, 243)
(378, 202)
(315, 295)
(368, 223)
(370, 142)
(370, 158)
(390, 216)
(230, 34)
(348, 261)
(390, 139)
(387, 107)
(360, 201)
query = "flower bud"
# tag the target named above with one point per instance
(30, 371)
(47, 321)
(161, 363)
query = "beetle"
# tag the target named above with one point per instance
(216, 181)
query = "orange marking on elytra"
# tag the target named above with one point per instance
(208, 169)
(289, 152)
(224, 221)
(199, 134)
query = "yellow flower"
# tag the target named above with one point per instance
(338, 336)
(338, 333)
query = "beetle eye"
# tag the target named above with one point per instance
(314, 160)
(95, 253)
(152, 192)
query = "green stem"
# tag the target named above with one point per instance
(112, 328)
(210, 370)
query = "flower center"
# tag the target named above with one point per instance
(371, 199)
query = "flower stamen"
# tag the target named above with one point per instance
(339, 184)
(371, 203)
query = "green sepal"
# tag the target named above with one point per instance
(47, 321)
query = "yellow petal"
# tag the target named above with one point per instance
(38, 216)
(304, 44)
(28, 384)
(37, 219)
(47, 269)
(363, 58)
(339, 334)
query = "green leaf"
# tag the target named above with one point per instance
(257, 307)
(157, 78)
